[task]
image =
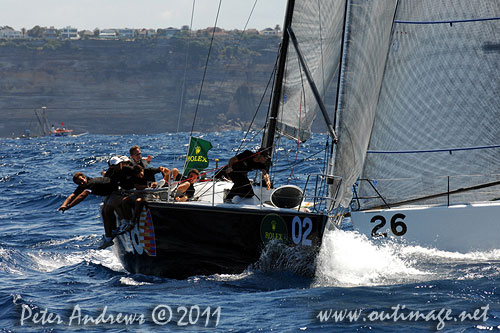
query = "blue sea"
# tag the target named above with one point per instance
(53, 278)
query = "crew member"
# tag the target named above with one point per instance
(238, 168)
(101, 186)
(186, 190)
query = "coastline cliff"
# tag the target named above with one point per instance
(135, 86)
(120, 86)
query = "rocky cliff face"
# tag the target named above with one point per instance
(143, 86)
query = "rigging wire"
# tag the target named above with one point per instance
(237, 43)
(277, 141)
(450, 22)
(183, 92)
(321, 45)
(206, 66)
(323, 189)
(258, 107)
(265, 90)
(272, 76)
(303, 160)
(302, 97)
(248, 20)
(205, 70)
(438, 150)
(326, 158)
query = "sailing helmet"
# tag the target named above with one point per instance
(125, 159)
(115, 160)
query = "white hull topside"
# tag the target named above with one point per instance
(459, 228)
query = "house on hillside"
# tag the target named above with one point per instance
(269, 32)
(69, 33)
(9, 33)
(108, 34)
(169, 32)
(126, 33)
(51, 33)
(141, 33)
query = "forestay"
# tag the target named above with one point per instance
(318, 26)
(437, 121)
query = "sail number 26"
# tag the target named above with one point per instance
(398, 227)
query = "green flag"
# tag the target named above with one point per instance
(197, 156)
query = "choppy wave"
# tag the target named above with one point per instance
(348, 258)
(49, 260)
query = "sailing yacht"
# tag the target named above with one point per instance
(419, 122)
(209, 235)
(415, 136)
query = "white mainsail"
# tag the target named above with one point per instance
(318, 26)
(437, 119)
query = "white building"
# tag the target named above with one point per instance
(69, 33)
(126, 33)
(108, 34)
(9, 33)
(269, 32)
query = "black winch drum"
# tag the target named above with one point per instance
(287, 196)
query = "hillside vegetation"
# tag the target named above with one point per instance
(140, 86)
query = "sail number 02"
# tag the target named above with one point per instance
(398, 228)
(300, 231)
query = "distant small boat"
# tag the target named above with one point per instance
(60, 132)
(51, 131)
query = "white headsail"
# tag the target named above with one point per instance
(367, 40)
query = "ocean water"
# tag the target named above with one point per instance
(53, 279)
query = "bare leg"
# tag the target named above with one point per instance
(108, 219)
(139, 204)
(126, 207)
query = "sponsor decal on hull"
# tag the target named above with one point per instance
(143, 234)
(273, 227)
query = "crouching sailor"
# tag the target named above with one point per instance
(101, 186)
(186, 189)
(238, 167)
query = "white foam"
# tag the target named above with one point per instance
(6, 258)
(131, 282)
(54, 242)
(348, 258)
(49, 261)
(475, 256)
(227, 277)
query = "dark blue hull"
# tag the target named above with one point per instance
(181, 240)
